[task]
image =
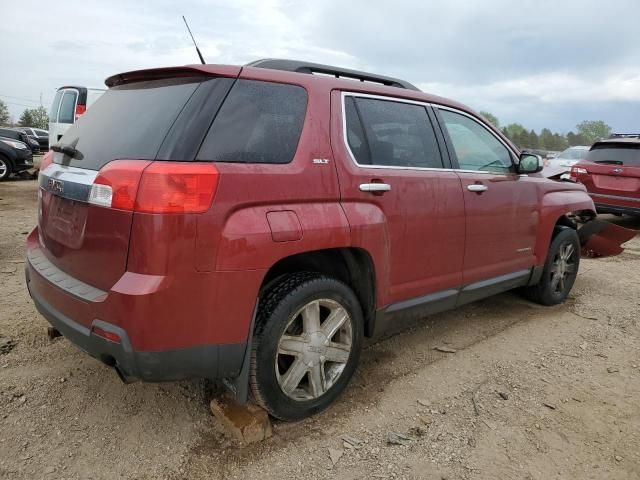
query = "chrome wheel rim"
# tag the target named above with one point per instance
(3, 168)
(314, 349)
(563, 267)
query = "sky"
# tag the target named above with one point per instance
(539, 63)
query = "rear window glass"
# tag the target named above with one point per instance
(259, 122)
(67, 107)
(129, 121)
(53, 113)
(620, 154)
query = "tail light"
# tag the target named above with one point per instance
(155, 187)
(47, 160)
(576, 172)
(80, 109)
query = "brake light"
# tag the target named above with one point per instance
(576, 171)
(155, 187)
(46, 160)
(80, 109)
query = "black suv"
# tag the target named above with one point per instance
(20, 136)
(15, 157)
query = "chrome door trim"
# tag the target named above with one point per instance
(345, 94)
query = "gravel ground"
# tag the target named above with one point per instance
(529, 393)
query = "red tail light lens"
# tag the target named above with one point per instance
(155, 187)
(116, 185)
(576, 172)
(46, 160)
(177, 187)
(80, 109)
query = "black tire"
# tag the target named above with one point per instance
(5, 168)
(276, 312)
(547, 292)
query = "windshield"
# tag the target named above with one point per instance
(572, 154)
(625, 154)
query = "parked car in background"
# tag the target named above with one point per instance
(39, 135)
(15, 156)
(560, 166)
(20, 136)
(69, 104)
(611, 174)
(254, 223)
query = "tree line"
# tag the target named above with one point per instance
(31, 117)
(587, 132)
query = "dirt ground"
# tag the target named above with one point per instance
(529, 393)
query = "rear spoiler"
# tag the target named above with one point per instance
(172, 72)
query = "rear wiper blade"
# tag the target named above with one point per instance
(610, 162)
(67, 150)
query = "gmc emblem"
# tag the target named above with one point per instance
(55, 186)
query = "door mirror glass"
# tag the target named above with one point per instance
(529, 163)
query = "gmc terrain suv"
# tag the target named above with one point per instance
(256, 223)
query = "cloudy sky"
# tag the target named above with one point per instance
(540, 63)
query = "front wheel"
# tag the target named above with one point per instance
(560, 270)
(5, 169)
(307, 345)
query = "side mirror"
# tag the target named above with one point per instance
(529, 163)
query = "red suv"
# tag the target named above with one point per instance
(256, 223)
(611, 174)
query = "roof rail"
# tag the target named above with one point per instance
(338, 72)
(624, 135)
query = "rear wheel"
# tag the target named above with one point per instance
(560, 270)
(307, 344)
(5, 169)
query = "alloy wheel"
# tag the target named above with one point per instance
(314, 349)
(563, 267)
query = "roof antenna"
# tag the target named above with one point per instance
(194, 40)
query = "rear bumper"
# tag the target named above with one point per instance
(155, 344)
(619, 209)
(206, 361)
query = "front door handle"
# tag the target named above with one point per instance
(477, 188)
(375, 187)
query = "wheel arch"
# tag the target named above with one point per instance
(351, 265)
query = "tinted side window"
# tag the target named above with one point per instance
(53, 113)
(259, 122)
(475, 147)
(398, 134)
(67, 107)
(355, 133)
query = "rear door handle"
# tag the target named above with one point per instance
(375, 187)
(477, 188)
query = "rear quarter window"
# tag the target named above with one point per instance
(259, 122)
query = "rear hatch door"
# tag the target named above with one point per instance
(614, 169)
(130, 121)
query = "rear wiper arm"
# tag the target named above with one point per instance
(67, 150)
(610, 162)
